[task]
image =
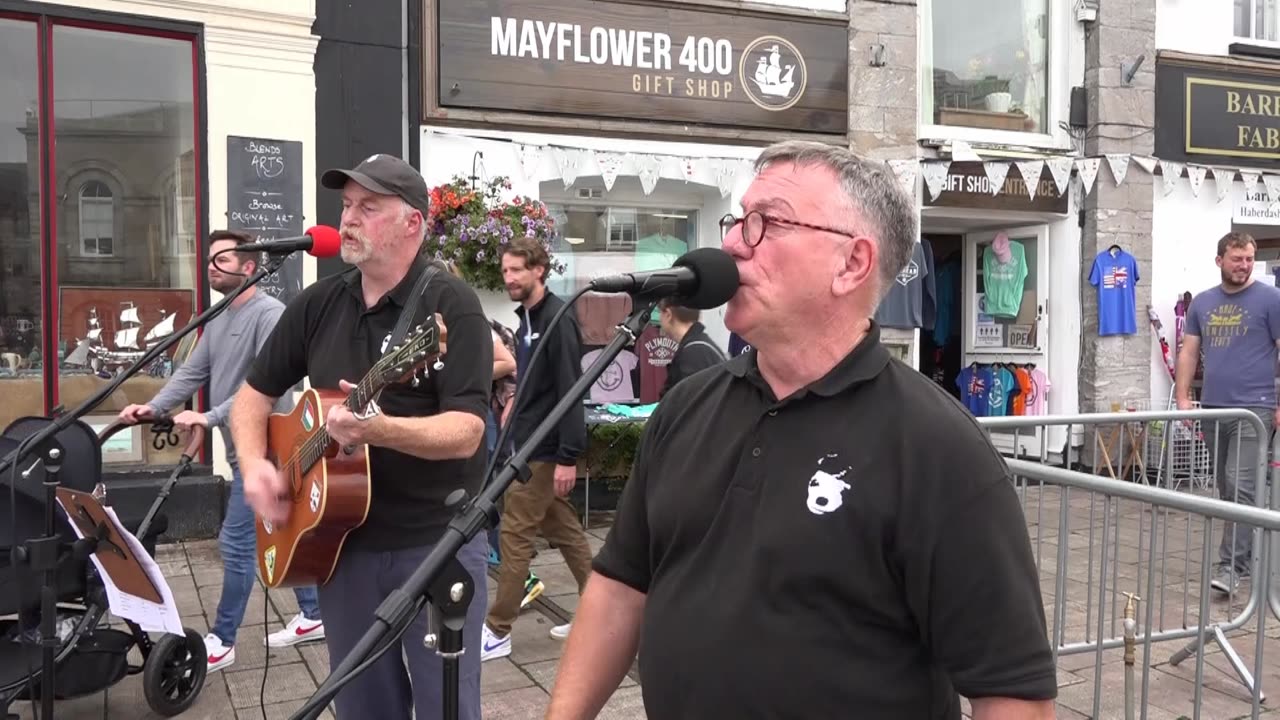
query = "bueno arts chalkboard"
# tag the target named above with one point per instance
(264, 199)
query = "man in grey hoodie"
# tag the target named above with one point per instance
(222, 357)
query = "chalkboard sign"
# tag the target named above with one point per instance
(264, 199)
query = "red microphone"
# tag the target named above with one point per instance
(320, 241)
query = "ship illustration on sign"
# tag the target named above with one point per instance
(773, 73)
(91, 351)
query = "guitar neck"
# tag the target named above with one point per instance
(358, 399)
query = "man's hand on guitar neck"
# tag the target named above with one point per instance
(349, 431)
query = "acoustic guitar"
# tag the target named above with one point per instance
(329, 487)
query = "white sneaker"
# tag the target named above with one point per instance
(492, 646)
(219, 656)
(560, 632)
(299, 630)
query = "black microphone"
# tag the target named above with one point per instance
(702, 279)
(320, 241)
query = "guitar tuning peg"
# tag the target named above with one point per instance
(415, 382)
(437, 366)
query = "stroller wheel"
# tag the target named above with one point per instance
(174, 673)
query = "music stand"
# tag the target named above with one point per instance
(101, 534)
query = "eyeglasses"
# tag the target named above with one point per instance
(755, 222)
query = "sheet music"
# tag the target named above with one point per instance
(149, 616)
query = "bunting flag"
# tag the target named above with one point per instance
(996, 173)
(688, 168)
(905, 171)
(1031, 171)
(1223, 178)
(1088, 170)
(1119, 164)
(1195, 176)
(1250, 179)
(1272, 183)
(726, 172)
(650, 167)
(1170, 173)
(1146, 162)
(1060, 169)
(529, 157)
(569, 161)
(610, 163)
(935, 174)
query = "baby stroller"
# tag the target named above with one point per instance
(90, 657)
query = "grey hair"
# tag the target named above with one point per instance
(870, 191)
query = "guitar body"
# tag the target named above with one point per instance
(327, 501)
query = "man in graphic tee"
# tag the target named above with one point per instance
(1004, 270)
(614, 385)
(903, 307)
(1115, 275)
(1234, 329)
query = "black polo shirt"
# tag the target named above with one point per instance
(856, 550)
(326, 334)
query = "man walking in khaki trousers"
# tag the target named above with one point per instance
(542, 503)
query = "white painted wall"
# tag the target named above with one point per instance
(1194, 26)
(1184, 235)
(447, 152)
(260, 82)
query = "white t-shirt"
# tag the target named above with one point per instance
(614, 384)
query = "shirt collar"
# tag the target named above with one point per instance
(863, 363)
(399, 295)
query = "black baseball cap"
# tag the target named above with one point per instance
(386, 175)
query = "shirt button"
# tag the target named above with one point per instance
(755, 452)
(773, 413)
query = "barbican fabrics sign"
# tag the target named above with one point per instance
(1217, 112)
(643, 61)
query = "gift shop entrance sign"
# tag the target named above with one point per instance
(644, 62)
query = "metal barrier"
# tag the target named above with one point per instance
(1147, 547)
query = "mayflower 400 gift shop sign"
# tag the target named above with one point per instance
(643, 61)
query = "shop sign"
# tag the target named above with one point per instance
(967, 186)
(643, 61)
(1254, 208)
(1217, 112)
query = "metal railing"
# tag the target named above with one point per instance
(1128, 562)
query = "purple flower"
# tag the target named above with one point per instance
(464, 236)
(443, 239)
(480, 256)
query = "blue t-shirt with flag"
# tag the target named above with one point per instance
(1115, 275)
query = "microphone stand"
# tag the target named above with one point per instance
(441, 580)
(43, 555)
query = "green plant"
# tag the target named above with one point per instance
(469, 225)
(611, 452)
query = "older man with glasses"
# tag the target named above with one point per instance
(814, 529)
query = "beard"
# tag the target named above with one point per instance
(1229, 278)
(355, 255)
(225, 283)
(517, 293)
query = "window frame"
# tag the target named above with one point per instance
(45, 18)
(1057, 84)
(1252, 39)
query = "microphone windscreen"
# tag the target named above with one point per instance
(717, 278)
(325, 241)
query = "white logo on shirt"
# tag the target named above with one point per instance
(909, 273)
(826, 491)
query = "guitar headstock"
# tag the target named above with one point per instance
(424, 344)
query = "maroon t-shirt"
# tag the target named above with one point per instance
(655, 352)
(599, 314)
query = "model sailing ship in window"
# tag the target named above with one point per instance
(107, 361)
(770, 77)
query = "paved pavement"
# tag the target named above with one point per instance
(517, 687)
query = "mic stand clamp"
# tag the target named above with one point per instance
(440, 577)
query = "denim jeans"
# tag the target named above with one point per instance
(238, 544)
(1234, 445)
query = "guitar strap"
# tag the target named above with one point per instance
(402, 327)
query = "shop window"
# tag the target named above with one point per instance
(20, 309)
(99, 169)
(989, 64)
(1257, 20)
(1005, 310)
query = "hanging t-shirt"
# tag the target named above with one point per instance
(614, 384)
(999, 390)
(737, 345)
(599, 313)
(1002, 281)
(903, 306)
(655, 252)
(655, 351)
(1038, 399)
(1116, 277)
(946, 286)
(1023, 378)
(929, 314)
(974, 384)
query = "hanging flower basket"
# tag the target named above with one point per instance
(470, 227)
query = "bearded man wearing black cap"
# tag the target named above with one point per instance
(424, 440)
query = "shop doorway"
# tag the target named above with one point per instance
(941, 350)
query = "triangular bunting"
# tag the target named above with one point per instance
(569, 162)
(935, 175)
(725, 174)
(688, 166)
(905, 171)
(1272, 183)
(1170, 172)
(1088, 169)
(610, 164)
(1223, 178)
(1119, 164)
(1195, 176)
(1060, 169)
(530, 156)
(650, 167)
(996, 173)
(1146, 162)
(1250, 179)
(1031, 171)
